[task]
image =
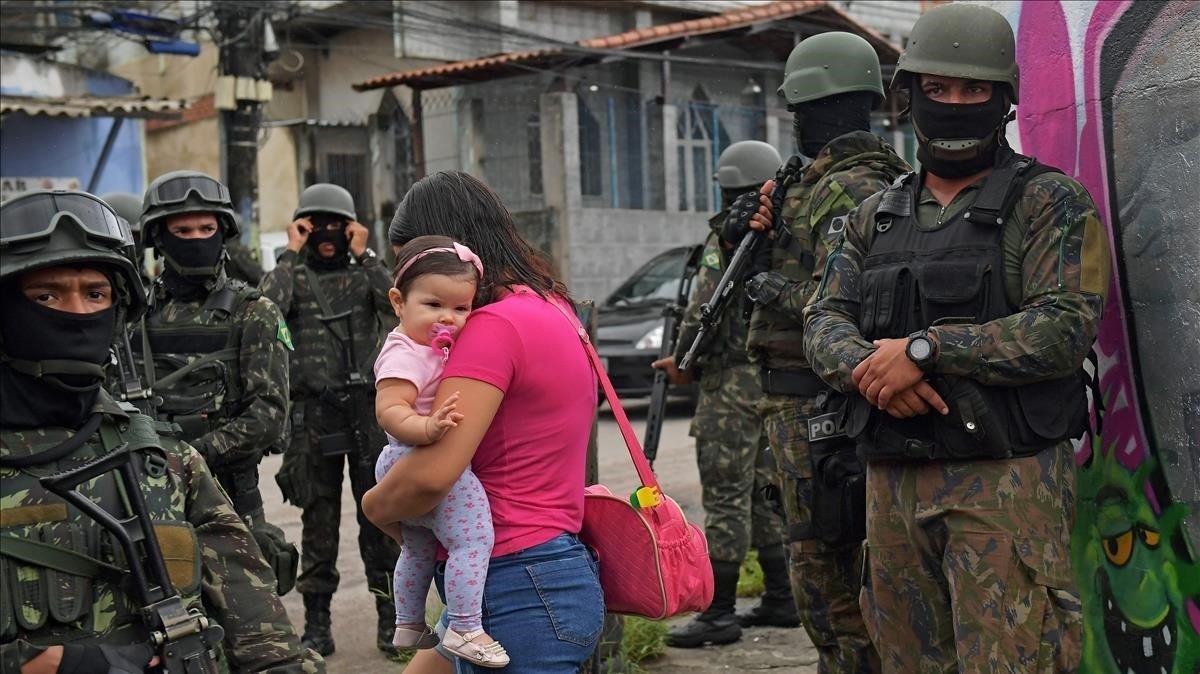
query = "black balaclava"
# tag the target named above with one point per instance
(815, 123)
(942, 126)
(337, 237)
(32, 332)
(190, 262)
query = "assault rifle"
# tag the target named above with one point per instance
(672, 317)
(348, 395)
(185, 641)
(712, 310)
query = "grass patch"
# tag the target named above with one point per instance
(641, 640)
(750, 579)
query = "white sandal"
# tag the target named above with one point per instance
(490, 655)
(408, 639)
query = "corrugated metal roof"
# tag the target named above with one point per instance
(95, 106)
(515, 63)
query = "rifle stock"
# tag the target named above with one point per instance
(672, 318)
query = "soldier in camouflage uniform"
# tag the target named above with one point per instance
(831, 82)
(333, 290)
(242, 263)
(731, 449)
(213, 350)
(68, 288)
(958, 309)
(128, 207)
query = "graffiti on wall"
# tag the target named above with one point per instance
(1112, 97)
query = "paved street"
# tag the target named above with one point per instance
(777, 650)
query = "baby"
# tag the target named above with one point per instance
(432, 296)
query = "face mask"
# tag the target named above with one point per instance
(816, 123)
(34, 333)
(321, 234)
(957, 140)
(192, 258)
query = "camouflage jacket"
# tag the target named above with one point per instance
(728, 345)
(846, 171)
(319, 360)
(256, 420)
(211, 556)
(1057, 272)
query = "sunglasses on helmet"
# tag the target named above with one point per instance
(177, 190)
(33, 217)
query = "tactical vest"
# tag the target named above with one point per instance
(62, 571)
(194, 368)
(912, 280)
(319, 361)
(777, 340)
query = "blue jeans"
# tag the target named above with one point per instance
(543, 604)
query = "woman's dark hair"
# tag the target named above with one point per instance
(458, 205)
(444, 263)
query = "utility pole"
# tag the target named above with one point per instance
(241, 90)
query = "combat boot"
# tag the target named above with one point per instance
(777, 608)
(385, 611)
(717, 625)
(318, 629)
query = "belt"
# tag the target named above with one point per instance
(792, 382)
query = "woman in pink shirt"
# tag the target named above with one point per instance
(527, 394)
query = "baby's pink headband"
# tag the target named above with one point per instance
(465, 254)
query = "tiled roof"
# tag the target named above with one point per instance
(94, 106)
(516, 63)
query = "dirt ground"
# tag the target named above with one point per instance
(764, 649)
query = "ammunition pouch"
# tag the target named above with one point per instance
(334, 444)
(792, 383)
(283, 557)
(839, 489)
(295, 474)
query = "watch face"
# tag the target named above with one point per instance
(919, 349)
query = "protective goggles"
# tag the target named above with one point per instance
(33, 217)
(177, 190)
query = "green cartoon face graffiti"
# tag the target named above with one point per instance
(1134, 585)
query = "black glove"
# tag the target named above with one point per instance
(97, 659)
(737, 223)
(765, 287)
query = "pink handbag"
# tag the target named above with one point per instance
(653, 562)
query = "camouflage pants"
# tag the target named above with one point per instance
(321, 519)
(825, 580)
(734, 468)
(969, 565)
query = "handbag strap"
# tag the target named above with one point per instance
(645, 473)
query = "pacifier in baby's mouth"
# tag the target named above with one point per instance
(441, 338)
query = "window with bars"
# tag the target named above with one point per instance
(350, 172)
(533, 127)
(591, 158)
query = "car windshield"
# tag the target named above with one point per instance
(657, 281)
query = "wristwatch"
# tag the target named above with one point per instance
(921, 350)
(367, 254)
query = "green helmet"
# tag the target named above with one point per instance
(831, 63)
(748, 163)
(128, 207)
(326, 198)
(186, 192)
(961, 40)
(61, 227)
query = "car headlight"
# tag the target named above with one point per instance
(651, 340)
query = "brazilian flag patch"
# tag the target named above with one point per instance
(283, 334)
(712, 259)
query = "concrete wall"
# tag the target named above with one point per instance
(1111, 94)
(609, 244)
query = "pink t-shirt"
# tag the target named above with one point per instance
(402, 358)
(531, 460)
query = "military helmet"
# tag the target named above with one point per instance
(961, 40)
(831, 63)
(128, 207)
(187, 192)
(748, 163)
(326, 198)
(66, 227)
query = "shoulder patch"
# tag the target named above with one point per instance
(712, 259)
(284, 335)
